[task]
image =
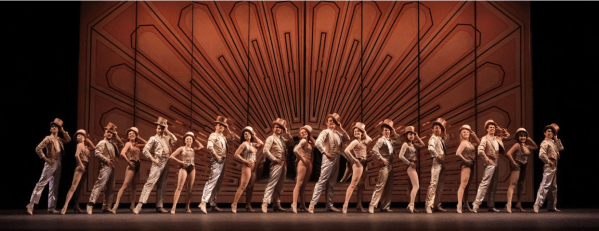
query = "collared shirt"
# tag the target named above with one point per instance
(388, 142)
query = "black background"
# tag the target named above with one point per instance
(40, 49)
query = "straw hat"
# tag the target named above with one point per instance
(308, 128)
(489, 122)
(82, 132)
(134, 129)
(465, 126)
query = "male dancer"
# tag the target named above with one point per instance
(158, 150)
(549, 154)
(106, 151)
(217, 147)
(383, 150)
(437, 148)
(330, 143)
(275, 149)
(490, 147)
(54, 145)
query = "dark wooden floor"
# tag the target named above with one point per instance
(568, 219)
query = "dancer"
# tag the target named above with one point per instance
(82, 158)
(250, 144)
(518, 156)
(303, 152)
(330, 143)
(217, 147)
(186, 168)
(437, 148)
(358, 160)
(54, 145)
(275, 149)
(467, 152)
(158, 150)
(131, 154)
(408, 148)
(383, 151)
(549, 154)
(107, 151)
(490, 147)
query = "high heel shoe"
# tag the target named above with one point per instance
(249, 209)
(467, 206)
(344, 210)
(63, 211)
(360, 209)
(459, 207)
(234, 208)
(519, 208)
(294, 207)
(411, 208)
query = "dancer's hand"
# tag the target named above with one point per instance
(491, 162)
(412, 165)
(385, 161)
(49, 161)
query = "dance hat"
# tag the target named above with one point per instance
(335, 116)
(222, 120)
(281, 122)
(161, 121)
(58, 122)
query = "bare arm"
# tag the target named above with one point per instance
(419, 143)
(533, 145)
(90, 143)
(238, 152)
(461, 148)
(80, 147)
(402, 153)
(199, 147)
(259, 142)
(141, 142)
(175, 154)
(348, 154)
(510, 153)
(296, 149)
(124, 152)
(474, 139)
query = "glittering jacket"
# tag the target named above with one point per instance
(381, 148)
(437, 146)
(486, 147)
(549, 150)
(160, 146)
(48, 144)
(217, 145)
(331, 141)
(275, 146)
(108, 150)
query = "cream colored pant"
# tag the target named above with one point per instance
(383, 190)
(548, 185)
(158, 175)
(328, 177)
(276, 179)
(488, 185)
(435, 189)
(214, 182)
(105, 179)
(50, 175)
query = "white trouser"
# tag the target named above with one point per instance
(214, 182)
(548, 185)
(488, 185)
(105, 179)
(158, 175)
(328, 177)
(276, 179)
(384, 186)
(50, 174)
(435, 189)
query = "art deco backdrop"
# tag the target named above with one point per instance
(255, 61)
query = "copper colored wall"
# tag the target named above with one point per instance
(253, 62)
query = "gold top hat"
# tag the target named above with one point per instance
(222, 120)
(82, 132)
(335, 116)
(409, 129)
(189, 134)
(58, 122)
(281, 122)
(556, 127)
(247, 128)
(361, 126)
(441, 122)
(465, 126)
(161, 121)
(111, 127)
(388, 123)
(134, 129)
(489, 122)
(308, 128)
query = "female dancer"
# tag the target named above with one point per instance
(186, 167)
(467, 152)
(518, 156)
(131, 154)
(303, 163)
(250, 144)
(358, 160)
(409, 148)
(82, 155)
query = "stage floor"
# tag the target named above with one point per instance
(400, 219)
